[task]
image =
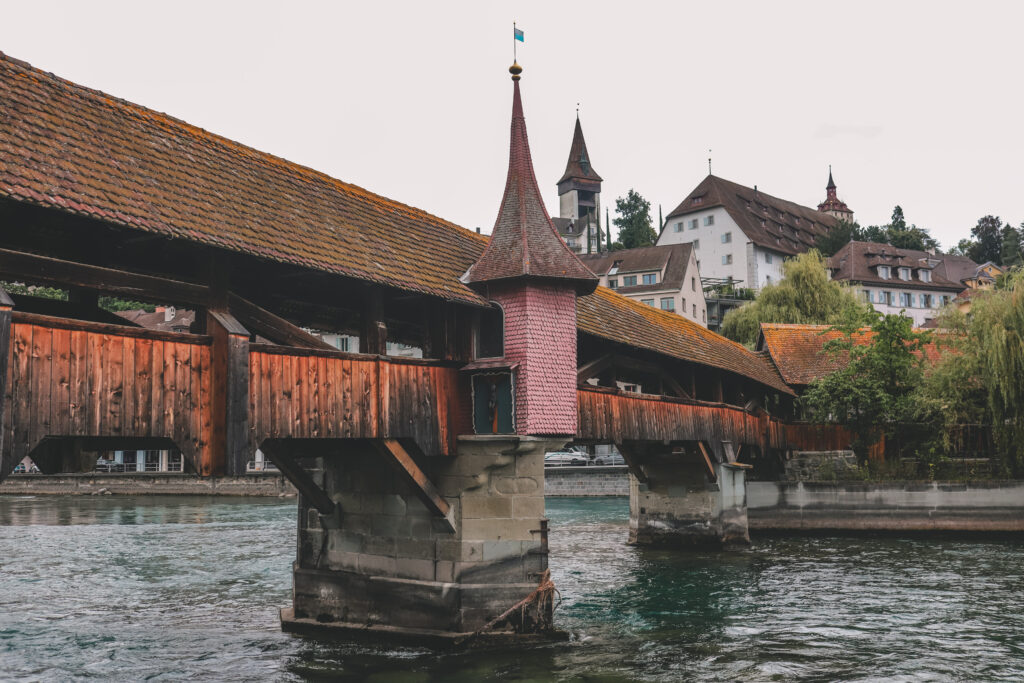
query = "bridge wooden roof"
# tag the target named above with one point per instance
(73, 149)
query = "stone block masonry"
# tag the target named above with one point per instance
(385, 561)
(586, 481)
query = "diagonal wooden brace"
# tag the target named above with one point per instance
(299, 477)
(417, 478)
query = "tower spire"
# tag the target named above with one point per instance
(524, 242)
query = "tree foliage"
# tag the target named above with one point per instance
(874, 393)
(804, 295)
(107, 303)
(896, 232)
(634, 221)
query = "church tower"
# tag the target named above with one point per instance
(532, 279)
(832, 205)
(579, 194)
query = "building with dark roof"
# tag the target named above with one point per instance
(906, 281)
(833, 205)
(742, 234)
(664, 277)
(579, 199)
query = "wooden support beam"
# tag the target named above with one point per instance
(6, 305)
(708, 464)
(16, 265)
(417, 478)
(373, 338)
(273, 327)
(592, 368)
(298, 476)
(229, 448)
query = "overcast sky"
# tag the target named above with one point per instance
(918, 104)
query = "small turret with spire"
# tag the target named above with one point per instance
(579, 191)
(534, 278)
(832, 204)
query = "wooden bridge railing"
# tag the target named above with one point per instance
(609, 415)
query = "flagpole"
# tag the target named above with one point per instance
(514, 46)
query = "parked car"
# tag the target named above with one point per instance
(568, 458)
(610, 459)
(104, 465)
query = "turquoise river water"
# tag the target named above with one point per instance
(118, 588)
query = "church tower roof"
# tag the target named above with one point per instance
(524, 243)
(578, 166)
(831, 183)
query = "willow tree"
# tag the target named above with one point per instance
(804, 295)
(979, 379)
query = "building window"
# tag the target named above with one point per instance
(727, 260)
(704, 315)
(709, 220)
(693, 284)
(885, 298)
(904, 273)
(613, 283)
(925, 275)
(650, 278)
(865, 295)
(647, 302)
(629, 281)
(695, 311)
(693, 224)
(668, 304)
(698, 200)
(883, 272)
(767, 279)
(490, 338)
(767, 257)
(927, 301)
(696, 244)
(678, 227)
(906, 301)
(726, 237)
(571, 242)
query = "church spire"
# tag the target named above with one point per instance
(831, 183)
(578, 166)
(524, 243)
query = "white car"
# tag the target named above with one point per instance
(565, 459)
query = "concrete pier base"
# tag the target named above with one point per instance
(675, 502)
(385, 561)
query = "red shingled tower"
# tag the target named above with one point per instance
(534, 277)
(832, 204)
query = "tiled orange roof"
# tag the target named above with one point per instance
(74, 149)
(798, 350)
(612, 316)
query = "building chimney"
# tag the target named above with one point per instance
(169, 312)
(478, 229)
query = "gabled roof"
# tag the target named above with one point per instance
(670, 260)
(767, 221)
(524, 242)
(578, 166)
(609, 315)
(859, 261)
(69, 148)
(798, 350)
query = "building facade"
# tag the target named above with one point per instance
(916, 284)
(664, 277)
(741, 235)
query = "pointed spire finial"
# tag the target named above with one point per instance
(831, 183)
(515, 70)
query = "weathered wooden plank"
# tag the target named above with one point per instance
(349, 406)
(60, 406)
(142, 419)
(129, 418)
(203, 450)
(106, 328)
(182, 387)
(6, 384)
(42, 344)
(272, 428)
(269, 398)
(22, 380)
(271, 326)
(195, 402)
(300, 420)
(169, 374)
(156, 374)
(313, 396)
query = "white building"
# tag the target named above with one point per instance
(664, 277)
(742, 234)
(916, 284)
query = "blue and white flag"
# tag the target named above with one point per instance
(518, 34)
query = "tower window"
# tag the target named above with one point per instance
(490, 338)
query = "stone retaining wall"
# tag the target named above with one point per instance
(142, 483)
(612, 480)
(986, 506)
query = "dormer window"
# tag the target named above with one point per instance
(904, 273)
(698, 200)
(650, 278)
(924, 275)
(883, 272)
(615, 268)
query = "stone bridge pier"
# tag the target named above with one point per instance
(681, 496)
(389, 559)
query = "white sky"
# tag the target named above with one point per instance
(912, 103)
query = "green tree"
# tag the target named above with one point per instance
(1012, 251)
(805, 295)
(897, 233)
(874, 393)
(634, 221)
(987, 242)
(838, 237)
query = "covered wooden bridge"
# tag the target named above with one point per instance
(409, 464)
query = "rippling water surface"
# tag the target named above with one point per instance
(188, 588)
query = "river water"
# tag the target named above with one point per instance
(188, 589)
